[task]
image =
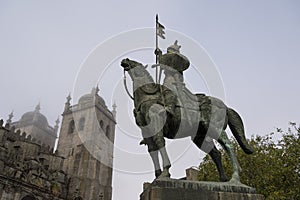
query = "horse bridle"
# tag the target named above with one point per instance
(125, 85)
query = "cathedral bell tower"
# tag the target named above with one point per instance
(86, 142)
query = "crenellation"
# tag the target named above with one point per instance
(23, 136)
(24, 164)
(7, 126)
(28, 138)
(18, 132)
(12, 129)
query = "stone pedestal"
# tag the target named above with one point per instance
(171, 189)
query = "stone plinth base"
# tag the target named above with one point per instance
(171, 189)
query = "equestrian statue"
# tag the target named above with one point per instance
(170, 110)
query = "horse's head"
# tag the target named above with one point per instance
(128, 64)
(135, 69)
(142, 80)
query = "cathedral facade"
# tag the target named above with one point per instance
(81, 166)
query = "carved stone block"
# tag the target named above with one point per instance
(167, 189)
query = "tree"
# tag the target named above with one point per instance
(273, 169)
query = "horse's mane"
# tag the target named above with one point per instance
(151, 87)
(148, 75)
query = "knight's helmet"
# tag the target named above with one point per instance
(174, 59)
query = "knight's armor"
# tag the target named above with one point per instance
(173, 64)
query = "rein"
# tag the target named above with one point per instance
(125, 85)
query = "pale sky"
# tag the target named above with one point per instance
(255, 46)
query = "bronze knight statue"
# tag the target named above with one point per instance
(173, 63)
(170, 110)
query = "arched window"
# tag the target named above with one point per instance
(101, 124)
(71, 127)
(28, 197)
(81, 124)
(107, 131)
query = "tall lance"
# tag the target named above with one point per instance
(159, 32)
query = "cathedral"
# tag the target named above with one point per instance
(79, 168)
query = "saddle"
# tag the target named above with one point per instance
(190, 104)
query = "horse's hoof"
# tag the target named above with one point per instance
(158, 173)
(224, 179)
(164, 175)
(235, 181)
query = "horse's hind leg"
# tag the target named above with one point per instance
(216, 156)
(227, 146)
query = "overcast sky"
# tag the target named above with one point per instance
(255, 46)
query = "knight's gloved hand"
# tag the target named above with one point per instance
(157, 51)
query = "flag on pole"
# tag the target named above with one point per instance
(159, 32)
(160, 29)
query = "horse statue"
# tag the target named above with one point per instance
(203, 124)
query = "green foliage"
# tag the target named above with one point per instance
(274, 168)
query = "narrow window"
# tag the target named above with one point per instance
(107, 131)
(81, 124)
(71, 127)
(101, 124)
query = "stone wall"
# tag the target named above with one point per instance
(27, 168)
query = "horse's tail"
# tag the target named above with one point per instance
(237, 128)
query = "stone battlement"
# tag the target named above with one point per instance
(26, 164)
(15, 135)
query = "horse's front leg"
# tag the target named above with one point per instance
(166, 163)
(155, 126)
(160, 142)
(153, 151)
(154, 138)
(154, 157)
